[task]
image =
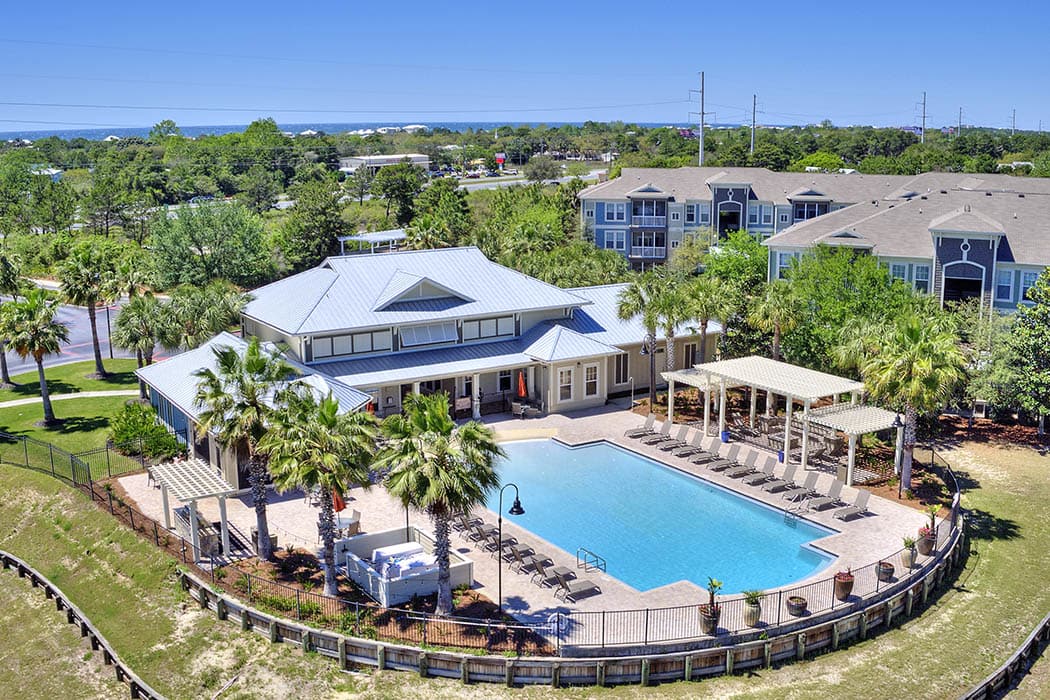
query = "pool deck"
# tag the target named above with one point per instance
(857, 542)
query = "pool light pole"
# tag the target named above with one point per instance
(515, 509)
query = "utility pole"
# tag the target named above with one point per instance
(701, 119)
(754, 107)
(922, 136)
(959, 132)
(1013, 123)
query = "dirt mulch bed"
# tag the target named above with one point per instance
(958, 428)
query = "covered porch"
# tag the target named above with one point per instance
(813, 435)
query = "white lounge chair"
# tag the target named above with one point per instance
(859, 507)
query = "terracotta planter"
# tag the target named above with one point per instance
(885, 571)
(925, 545)
(796, 605)
(709, 618)
(908, 558)
(843, 587)
(752, 614)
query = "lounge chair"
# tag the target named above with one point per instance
(463, 521)
(859, 507)
(646, 429)
(830, 498)
(577, 588)
(748, 467)
(804, 491)
(547, 575)
(479, 532)
(720, 465)
(678, 440)
(494, 545)
(763, 474)
(785, 482)
(660, 436)
(523, 559)
(692, 448)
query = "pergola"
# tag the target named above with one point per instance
(795, 384)
(190, 480)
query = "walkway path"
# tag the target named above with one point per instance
(75, 395)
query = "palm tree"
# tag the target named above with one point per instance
(31, 327)
(707, 300)
(83, 275)
(671, 306)
(141, 325)
(236, 399)
(311, 445)
(439, 469)
(914, 363)
(10, 284)
(196, 314)
(777, 311)
(639, 299)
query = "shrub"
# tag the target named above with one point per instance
(135, 431)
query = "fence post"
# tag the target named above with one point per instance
(645, 636)
(109, 495)
(25, 449)
(131, 516)
(156, 535)
(298, 604)
(109, 470)
(73, 470)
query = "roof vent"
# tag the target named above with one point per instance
(1021, 195)
(987, 194)
(924, 197)
(944, 191)
(920, 210)
(874, 202)
(966, 207)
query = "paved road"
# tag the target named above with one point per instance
(592, 176)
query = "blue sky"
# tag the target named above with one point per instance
(119, 63)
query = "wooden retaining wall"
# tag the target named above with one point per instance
(74, 616)
(812, 636)
(1003, 677)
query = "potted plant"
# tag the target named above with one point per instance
(843, 584)
(796, 605)
(710, 611)
(908, 555)
(752, 607)
(885, 571)
(928, 533)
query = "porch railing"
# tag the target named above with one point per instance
(648, 251)
(649, 221)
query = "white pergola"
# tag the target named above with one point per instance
(190, 480)
(854, 421)
(779, 378)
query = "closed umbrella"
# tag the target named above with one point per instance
(522, 393)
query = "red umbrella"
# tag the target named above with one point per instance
(522, 393)
(338, 503)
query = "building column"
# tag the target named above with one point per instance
(415, 387)
(195, 535)
(805, 434)
(787, 428)
(530, 381)
(224, 528)
(851, 459)
(721, 406)
(754, 405)
(670, 400)
(853, 398)
(707, 407)
(769, 403)
(164, 505)
(475, 400)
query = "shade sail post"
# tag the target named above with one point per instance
(805, 434)
(754, 404)
(224, 527)
(851, 460)
(721, 406)
(195, 535)
(787, 428)
(165, 506)
(707, 407)
(670, 400)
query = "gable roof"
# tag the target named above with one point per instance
(556, 343)
(358, 292)
(966, 219)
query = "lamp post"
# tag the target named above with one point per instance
(649, 348)
(515, 509)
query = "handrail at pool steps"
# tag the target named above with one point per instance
(588, 560)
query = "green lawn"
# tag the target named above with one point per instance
(70, 379)
(84, 423)
(967, 633)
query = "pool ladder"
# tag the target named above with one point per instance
(588, 560)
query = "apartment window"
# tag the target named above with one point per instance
(690, 213)
(753, 212)
(784, 264)
(767, 216)
(1027, 282)
(429, 334)
(1004, 285)
(589, 212)
(565, 384)
(621, 374)
(590, 380)
(488, 328)
(468, 386)
(676, 216)
(690, 355)
(674, 244)
(922, 278)
(784, 217)
(809, 210)
(505, 378)
(616, 240)
(705, 214)
(616, 211)
(899, 271)
(322, 347)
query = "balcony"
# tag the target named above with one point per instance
(649, 221)
(649, 252)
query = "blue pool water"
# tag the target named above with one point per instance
(654, 525)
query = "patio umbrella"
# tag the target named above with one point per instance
(338, 504)
(522, 393)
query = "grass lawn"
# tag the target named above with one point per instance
(69, 379)
(968, 632)
(84, 422)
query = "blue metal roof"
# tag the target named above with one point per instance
(600, 321)
(558, 343)
(344, 292)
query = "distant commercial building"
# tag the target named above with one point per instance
(350, 164)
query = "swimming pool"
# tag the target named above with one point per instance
(654, 525)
